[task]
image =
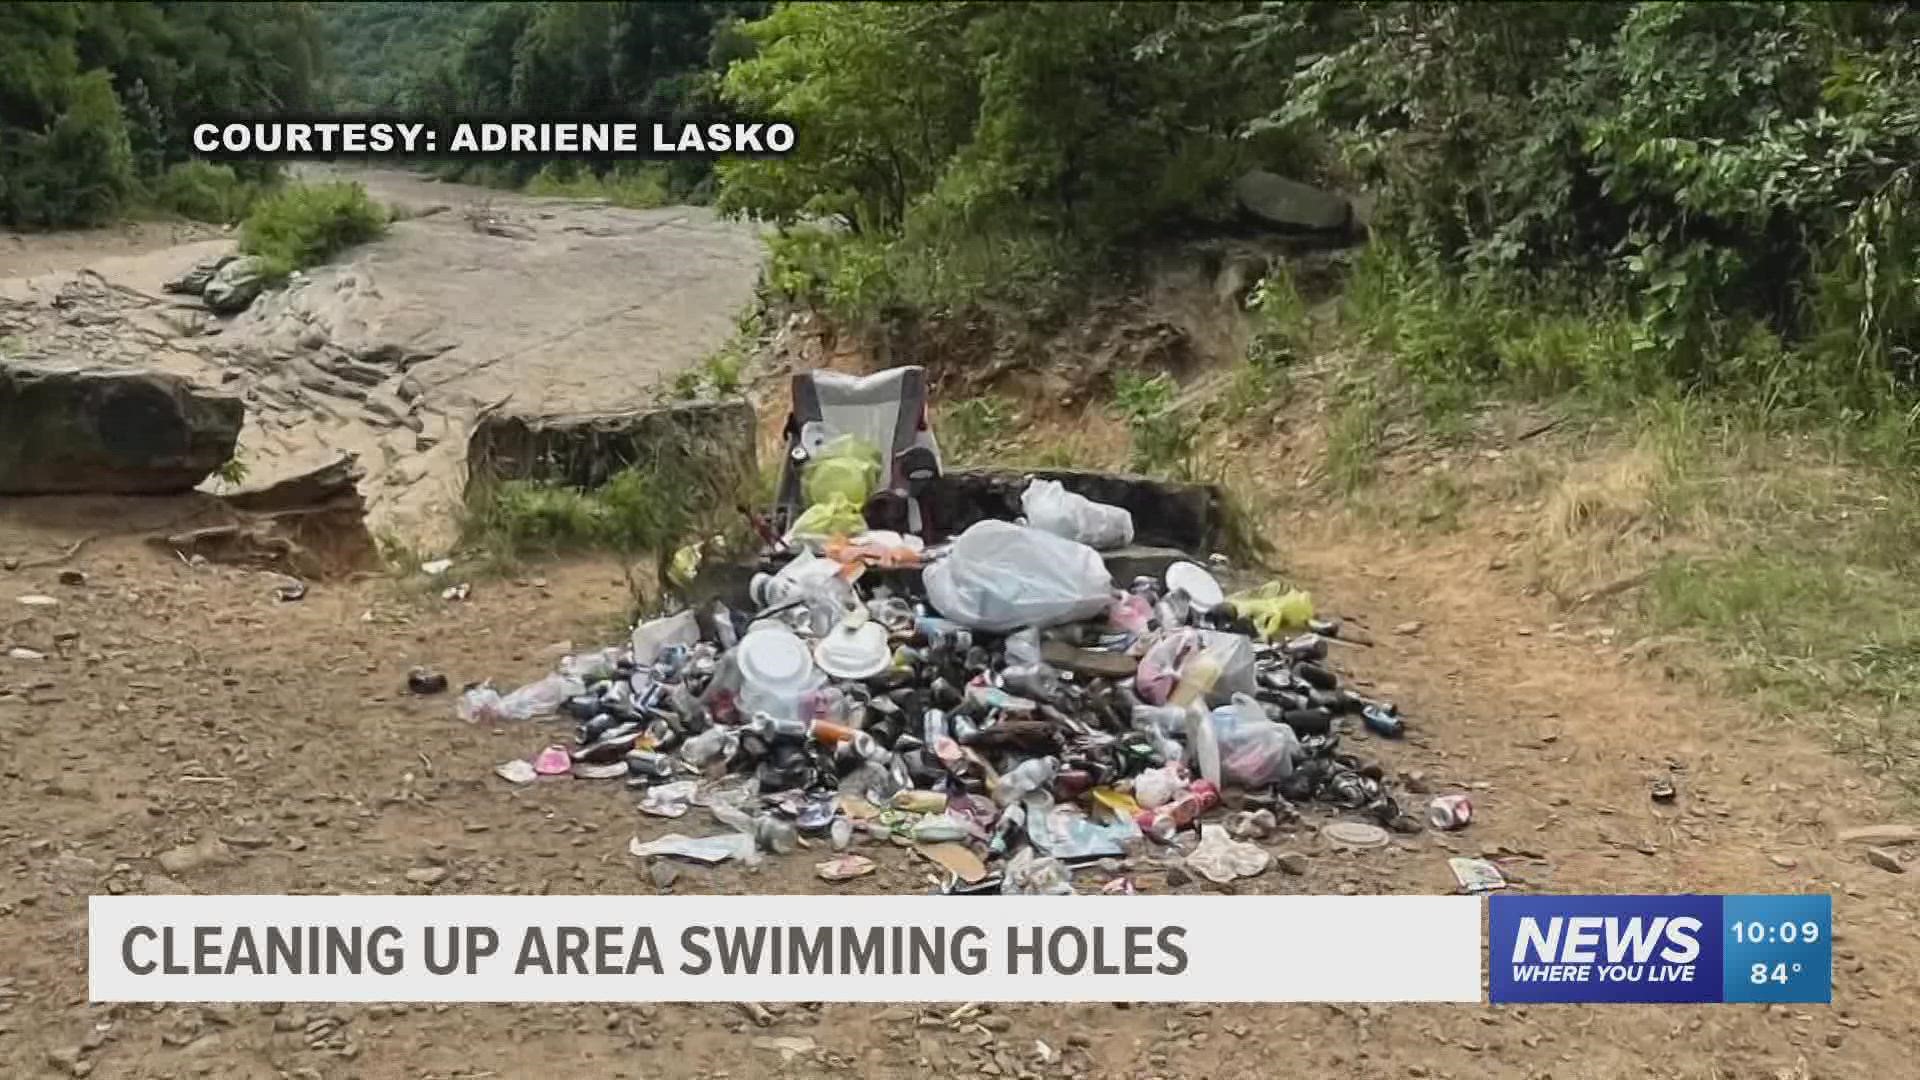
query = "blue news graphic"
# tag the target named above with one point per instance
(1778, 948)
(1605, 948)
(1660, 948)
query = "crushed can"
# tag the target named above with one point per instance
(1449, 812)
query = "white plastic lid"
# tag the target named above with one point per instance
(774, 658)
(1200, 587)
(854, 652)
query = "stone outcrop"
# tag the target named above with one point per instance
(1290, 204)
(70, 429)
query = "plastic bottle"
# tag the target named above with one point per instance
(1013, 822)
(943, 634)
(711, 745)
(1039, 682)
(828, 733)
(1197, 678)
(1029, 776)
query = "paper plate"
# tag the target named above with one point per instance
(1200, 587)
(774, 659)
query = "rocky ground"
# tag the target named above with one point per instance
(184, 730)
(474, 298)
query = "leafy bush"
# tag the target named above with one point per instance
(963, 153)
(1701, 167)
(306, 224)
(640, 187)
(204, 192)
(650, 508)
(76, 172)
(1164, 438)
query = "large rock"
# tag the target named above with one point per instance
(716, 441)
(70, 429)
(1166, 514)
(235, 285)
(195, 280)
(1290, 204)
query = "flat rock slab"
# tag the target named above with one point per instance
(68, 429)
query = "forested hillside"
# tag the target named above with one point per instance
(376, 50)
(1725, 190)
(96, 99)
(658, 61)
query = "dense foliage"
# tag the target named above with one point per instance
(650, 61)
(1717, 168)
(968, 146)
(96, 99)
(1719, 177)
(375, 49)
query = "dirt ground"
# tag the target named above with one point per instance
(177, 704)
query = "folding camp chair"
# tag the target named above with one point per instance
(888, 410)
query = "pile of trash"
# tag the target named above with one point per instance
(998, 702)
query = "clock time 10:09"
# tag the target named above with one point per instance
(1755, 932)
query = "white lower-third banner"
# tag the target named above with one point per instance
(784, 948)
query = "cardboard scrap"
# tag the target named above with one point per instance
(957, 859)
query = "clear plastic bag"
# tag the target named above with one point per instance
(1159, 669)
(1053, 508)
(1255, 752)
(819, 583)
(1028, 874)
(1155, 788)
(650, 638)
(1221, 667)
(542, 698)
(1000, 577)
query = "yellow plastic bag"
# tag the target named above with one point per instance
(685, 565)
(1274, 609)
(847, 467)
(835, 516)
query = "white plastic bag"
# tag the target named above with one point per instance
(651, 637)
(541, 698)
(1053, 508)
(1255, 752)
(1001, 577)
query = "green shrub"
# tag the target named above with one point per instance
(304, 225)
(1164, 439)
(639, 187)
(204, 191)
(78, 171)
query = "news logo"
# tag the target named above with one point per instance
(1671, 949)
